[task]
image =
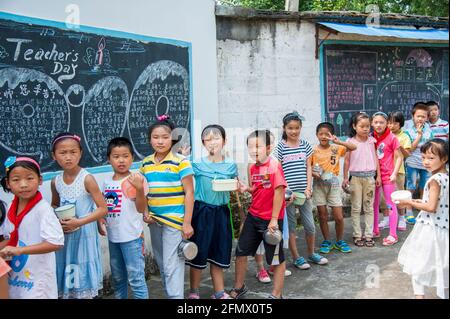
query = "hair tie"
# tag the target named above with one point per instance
(11, 160)
(163, 117)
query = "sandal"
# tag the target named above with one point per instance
(389, 241)
(237, 293)
(369, 242)
(358, 242)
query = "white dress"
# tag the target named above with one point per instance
(424, 255)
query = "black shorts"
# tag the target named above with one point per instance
(251, 236)
(212, 234)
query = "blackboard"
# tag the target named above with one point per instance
(381, 78)
(96, 83)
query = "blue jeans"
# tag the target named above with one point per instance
(412, 174)
(127, 266)
(165, 241)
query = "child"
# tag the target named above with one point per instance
(170, 202)
(419, 132)
(79, 263)
(265, 213)
(424, 255)
(4, 270)
(124, 223)
(395, 124)
(438, 126)
(390, 159)
(294, 155)
(360, 168)
(32, 231)
(328, 192)
(211, 217)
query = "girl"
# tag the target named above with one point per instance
(424, 255)
(170, 202)
(211, 218)
(390, 159)
(32, 231)
(294, 155)
(79, 264)
(362, 166)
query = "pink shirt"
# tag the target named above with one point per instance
(265, 178)
(364, 158)
(385, 152)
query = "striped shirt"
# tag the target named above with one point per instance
(293, 160)
(165, 197)
(440, 129)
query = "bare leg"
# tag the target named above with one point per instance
(310, 239)
(259, 259)
(323, 220)
(278, 279)
(293, 246)
(241, 270)
(338, 222)
(195, 276)
(217, 277)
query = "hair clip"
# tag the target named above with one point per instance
(9, 162)
(163, 117)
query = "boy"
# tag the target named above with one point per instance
(124, 223)
(419, 132)
(438, 125)
(265, 213)
(328, 192)
(396, 121)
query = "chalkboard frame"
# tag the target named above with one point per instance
(114, 33)
(362, 43)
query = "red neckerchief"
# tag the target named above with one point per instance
(16, 219)
(381, 137)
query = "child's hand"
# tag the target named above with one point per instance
(101, 225)
(188, 231)
(345, 184)
(137, 180)
(378, 181)
(404, 203)
(70, 225)
(290, 200)
(393, 177)
(273, 225)
(242, 187)
(148, 218)
(333, 138)
(185, 150)
(10, 251)
(308, 193)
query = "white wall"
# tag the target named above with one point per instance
(184, 20)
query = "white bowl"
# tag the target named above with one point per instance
(224, 185)
(400, 195)
(65, 212)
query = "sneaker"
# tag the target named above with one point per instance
(224, 296)
(411, 220)
(263, 276)
(273, 297)
(193, 295)
(383, 224)
(287, 272)
(342, 246)
(389, 241)
(317, 259)
(401, 224)
(325, 247)
(301, 263)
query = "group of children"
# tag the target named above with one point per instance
(174, 195)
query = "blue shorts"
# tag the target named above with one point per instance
(212, 234)
(413, 174)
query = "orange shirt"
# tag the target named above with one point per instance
(328, 159)
(4, 268)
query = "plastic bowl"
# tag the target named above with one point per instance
(65, 212)
(326, 176)
(300, 198)
(400, 195)
(129, 191)
(224, 185)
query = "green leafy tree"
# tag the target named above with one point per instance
(419, 7)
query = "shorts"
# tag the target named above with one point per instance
(327, 194)
(212, 235)
(306, 216)
(251, 236)
(412, 174)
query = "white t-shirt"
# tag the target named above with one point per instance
(34, 276)
(123, 222)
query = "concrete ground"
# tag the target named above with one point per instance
(365, 273)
